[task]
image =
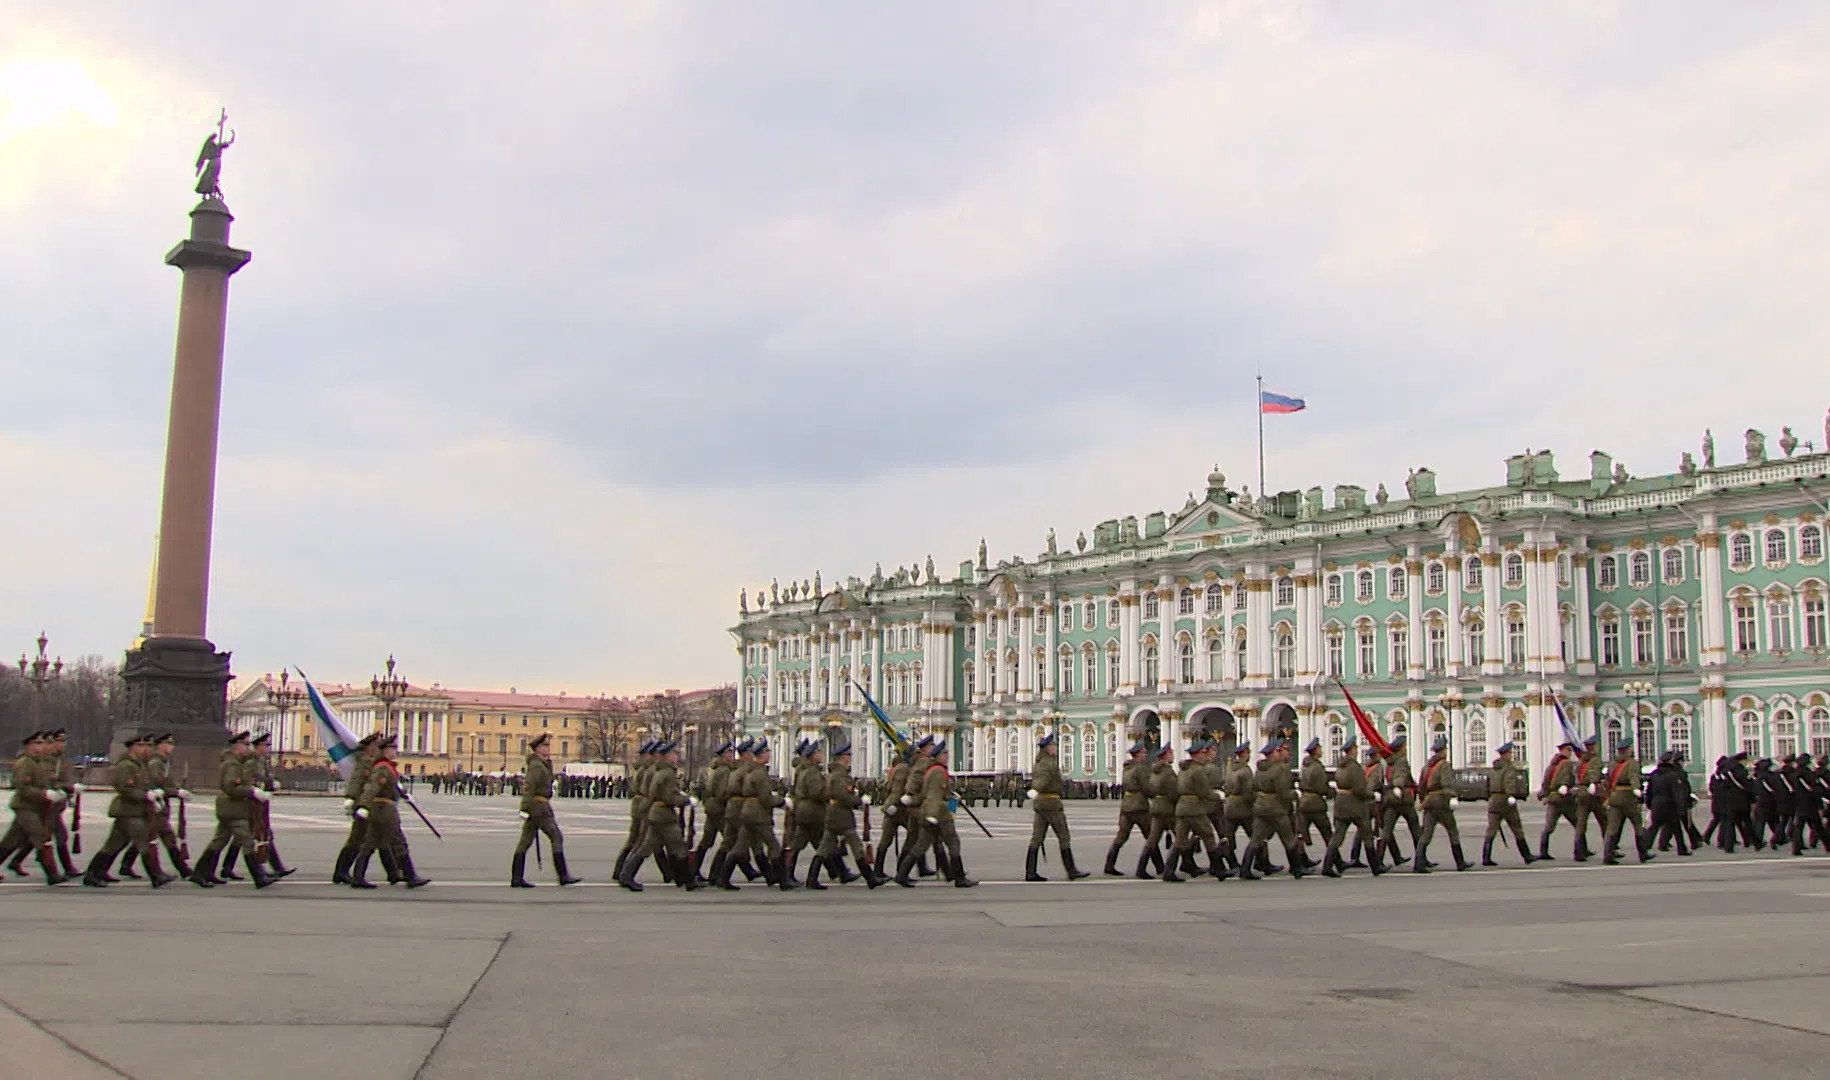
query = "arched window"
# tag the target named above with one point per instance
(1642, 638)
(1477, 641)
(1607, 572)
(1515, 638)
(1477, 742)
(1639, 570)
(1111, 614)
(1211, 601)
(1749, 725)
(1369, 653)
(1646, 748)
(1067, 616)
(1089, 670)
(1677, 733)
(1089, 751)
(1820, 732)
(1336, 736)
(1674, 565)
(1745, 624)
(1239, 656)
(1112, 674)
(1785, 733)
(972, 686)
(1520, 736)
(1677, 635)
(1400, 641)
(1616, 736)
(1331, 590)
(1285, 594)
(1064, 750)
(1216, 659)
(1152, 609)
(1810, 543)
(1471, 573)
(1064, 680)
(1150, 663)
(1434, 579)
(1397, 728)
(1740, 551)
(1436, 647)
(1088, 614)
(1395, 582)
(1515, 570)
(1187, 657)
(1779, 622)
(1563, 575)
(1337, 654)
(1816, 631)
(1363, 587)
(1185, 602)
(1775, 547)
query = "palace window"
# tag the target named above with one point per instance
(1239, 656)
(1677, 733)
(1477, 641)
(1642, 640)
(972, 683)
(1750, 733)
(1515, 639)
(1089, 747)
(1745, 641)
(1646, 742)
(1607, 573)
(1820, 733)
(972, 638)
(1151, 608)
(1435, 579)
(1216, 659)
(1112, 678)
(1436, 639)
(1395, 583)
(1565, 634)
(1616, 736)
(1520, 736)
(1111, 614)
(1674, 565)
(1639, 570)
(1285, 595)
(1239, 597)
(1477, 741)
(1284, 655)
(1515, 570)
(1067, 616)
(1740, 551)
(1185, 602)
(1779, 623)
(1810, 543)
(1187, 651)
(1337, 735)
(1368, 652)
(1785, 733)
(1150, 663)
(1471, 573)
(1814, 621)
(1363, 587)
(1212, 602)
(1065, 681)
(1337, 665)
(1610, 643)
(1677, 636)
(1775, 547)
(908, 638)
(1088, 615)
(1332, 591)
(1401, 651)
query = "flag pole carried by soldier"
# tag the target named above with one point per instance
(537, 815)
(361, 761)
(1503, 806)
(32, 803)
(1400, 801)
(1045, 800)
(1558, 793)
(380, 804)
(1134, 808)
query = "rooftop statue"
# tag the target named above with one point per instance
(209, 160)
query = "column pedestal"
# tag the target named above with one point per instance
(178, 685)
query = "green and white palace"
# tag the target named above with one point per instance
(1681, 612)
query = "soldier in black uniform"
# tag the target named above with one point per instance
(1767, 786)
(1664, 798)
(1788, 797)
(1807, 804)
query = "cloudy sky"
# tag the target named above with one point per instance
(565, 324)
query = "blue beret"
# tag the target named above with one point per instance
(1352, 741)
(924, 742)
(1592, 740)
(1441, 743)
(938, 747)
(1047, 737)
(842, 748)
(1314, 744)
(1166, 750)
(1138, 747)
(725, 747)
(1504, 747)
(1397, 741)
(1269, 747)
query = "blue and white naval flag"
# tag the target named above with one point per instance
(1570, 734)
(338, 742)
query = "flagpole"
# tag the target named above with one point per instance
(1258, 403)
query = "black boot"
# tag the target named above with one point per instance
(102, 871)
(1331, 864)
(517, 872)
(359, 872)
(226, 871)
(1029, 866)
(922, 867)
(616, 872)
(903, 867)
(204, 874)
(1353, 860)
(1460, 863)
(156, 873)
(1217, 866)
(1419, 864)
(1525, 850)
(814, 866)
(960, 880)
(1112, 869)
(1299, 864)
(409, 875)
(1645, 853)
(1487, 852)
(177, 858)
(1375, 859)
(1544, 847)
(1143, 866)
(127, 870)
(280, 869)
(841, 873)
(52, 877)
(721, 872)
(744, 863)
(1248, 862)
(872, 878)
(559, 869)
(626, 876)
(340, 876)
(791, 863)
(1074, 873)
(256, 872)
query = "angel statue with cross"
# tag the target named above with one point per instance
(209, 159)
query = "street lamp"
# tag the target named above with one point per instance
(1638, 691)
(284, 699)
(388, 689)
(38, 672)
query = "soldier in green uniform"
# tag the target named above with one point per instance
(537, 815)
(1622, 786)
(1237, 782)
(662, 836)
(1045, 802)
(807, 813)
(1503, 805)
(1273, 807)
(31, 804)
(1376, 787)
(379, 804)
(1353, 805)
(61, 780)
(1558, 794)
(360, 762)
(159, 822)
(1591, 797)
(1312, 800)
(134, 801)
(1133, 807)
(842, 802)
(899, 818)
(1438, 808)
(717, 789)
(934, 808)
(1164, 788)
(234, 814)
(1196, 801)
(638, 806)
(260, 768)
(754, 800)
(1400, 802)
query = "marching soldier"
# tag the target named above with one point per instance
(757, 835)
(1236, 782)
(1558, 793)
(638, 807)
(1400, 802)
(842, 802)
(807, 813)
(380, 804)
(33, 800)
(261, 775)
(234, 812)
(1352, 806)
(935, 810)
(1665, 795)
(662, 838)
(537, 815)
(717, 781)
(1134, 808)
(1591, 800)
(1377, 786)
(1165, 789)
(1438, 808)
(62, 781)
(361, 762)
(1273, 811)
(159, 824)
(1807, 806)
(1503, 806)
(1045, 798)
(1312, 803)
(134, 801)
(1624, 806)
(896, 815)
(908, 799)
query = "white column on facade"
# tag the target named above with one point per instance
(981, 679)
(1419, 635)
(1309, 653)
(949, 663)
(1258, 626)
(855, 635)
(1552, 626)
(771, 702)
(1165, 633)
(1026, 679)
(1001, 615)
(1534, 606)
(1579, 578)
(1458, 648)
(1714, 651)
(1495, 638)
(1050, 663)
(876, 680)
(835, 644)
(1229, 653)
(1130, 611)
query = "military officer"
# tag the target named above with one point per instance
(134, 801)
(64, 782)
(1352, 807)
(717, 789)
(1314, 790)
(1377, 787)
(807, 813)
(1400, 802)
(1273, 811)
(1237, 812)
(1807, 806)
(32, 802)
(908, 798)
(1133, 807)
(1558, 793)
(360, 763)
(638, 807)
(757, 835)
(842, 802)
(934, 808)
(1503, 805)
(896, 816)
(1045, 800)
(537, 815)
(1165, 790)
(1196, 800)
(159, 823)
(237, 795)
(662, 837)
(1622, 786)
(260, 767)
(1591, 797)
(380, 803)
(1438, 808)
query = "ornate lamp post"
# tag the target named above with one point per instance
(39, 672)
(388, 689)
(284, 699)
(1638, 691)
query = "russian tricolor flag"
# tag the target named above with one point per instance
(1269, 401)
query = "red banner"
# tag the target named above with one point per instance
(1368, 733)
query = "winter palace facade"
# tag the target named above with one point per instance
(1684, 611)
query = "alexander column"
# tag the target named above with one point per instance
(176, 679)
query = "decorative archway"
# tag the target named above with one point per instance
(1148, 724)
(1280, 721)
(1216, 722)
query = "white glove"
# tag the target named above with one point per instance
(934, 821)
(57, 797)
(183, 795)
(788, 802)
(260, 796)
(1591, 789)
(1511, 801)
(362, 812)
(275, 783)
(524, 815)
(1564, 790)
(1032, 794)
(906, 800)
(1332, 786)
(1378, 796)
(348, 805)
(867, 800)
(693, 800)
(78, 788)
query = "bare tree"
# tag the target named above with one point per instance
(607, 724)
(83, 701)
